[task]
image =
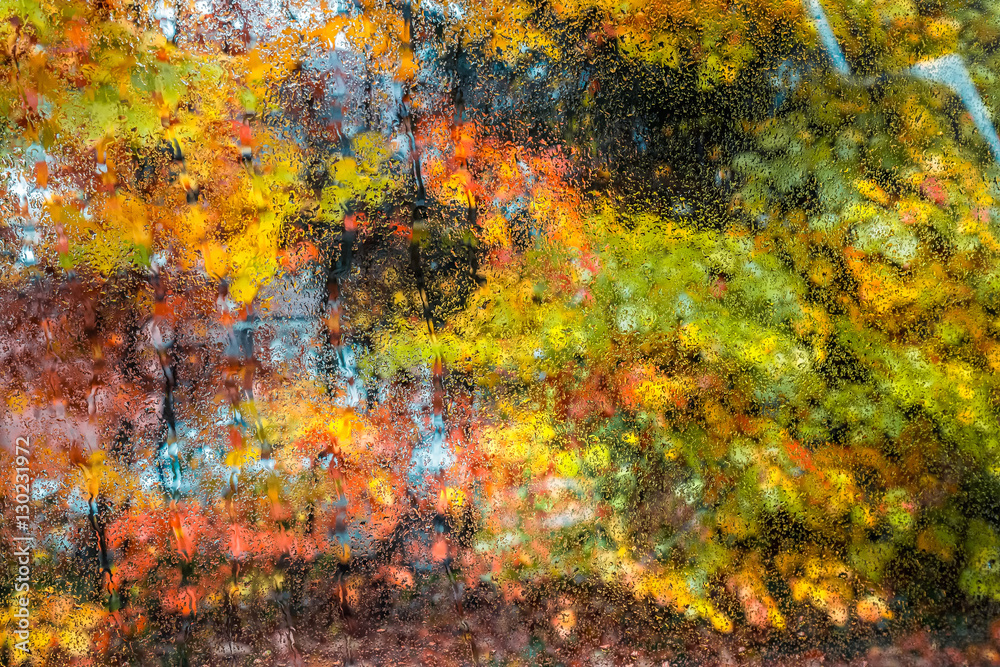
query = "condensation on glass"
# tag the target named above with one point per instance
(500, 332)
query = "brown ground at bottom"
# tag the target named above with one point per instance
(388, 646)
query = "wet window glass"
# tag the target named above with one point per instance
(499, 332)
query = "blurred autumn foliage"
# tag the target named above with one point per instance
(556, 328)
